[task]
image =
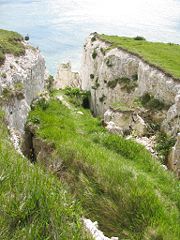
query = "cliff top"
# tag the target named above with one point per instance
(164, 56)
(10, 42)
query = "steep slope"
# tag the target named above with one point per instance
(33, 203)
(22, 78)
(135, 84)
(117, 181)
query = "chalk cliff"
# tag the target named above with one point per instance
(21, 81)
(117, 80)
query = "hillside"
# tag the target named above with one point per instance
(33, 203)
(165, 56)
(117, 181)
(10, 42)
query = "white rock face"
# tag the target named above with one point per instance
(21, 81)
(174, 158)
(124, 122)
(66, 78)
(100, 66)
(102, 72)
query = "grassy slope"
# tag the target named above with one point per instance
(162, 55)
(119, 184)
(10, 42)
(33, 203)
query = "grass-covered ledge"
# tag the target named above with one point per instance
(10, 42)
(165, 56)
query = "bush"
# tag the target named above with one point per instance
(152, 103)
(164, 145)
(93, 39)
(50, 82)
(78, 97)
(92, 76)
(139, 38)
(94, 54)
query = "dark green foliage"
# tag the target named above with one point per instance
(43, 103)
(94, 54)
(103, 51)
(10, 42)
(93, 39)
(109, 62)
(164, 145)
(101, 99)
(78, 96)
(3, 75)
(50, 82)
(112, 84)
(152, 103)
(126, 83)
(135, 77)
(92, 76)
(139, 38)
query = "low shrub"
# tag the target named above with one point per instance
(164, 144)
(152, 103)
(94, 54)
(139, 38)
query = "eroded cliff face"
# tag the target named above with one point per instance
(22, 79)
(116, 77)
(66, 77)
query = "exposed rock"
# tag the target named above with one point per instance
(174, 158)
(114, 75)
(66, 78)
(22, 82)
(125, 122)
(112, 64)
(92, 227)
(171, 124)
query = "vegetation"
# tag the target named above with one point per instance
(78, 97)
(49, 83)
(10, 42)
(94, 54)
(164, 145)
(118, 182)
(162, 55)
(139, 38)
(92, 76)
(109, 62)
(126, 83)
(152, 103)
(34, 204)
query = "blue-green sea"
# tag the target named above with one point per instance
(59, 27)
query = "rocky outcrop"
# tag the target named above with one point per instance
(125, 121)
(66, 78)
(116, 76)
(174, 158)
(21, 81)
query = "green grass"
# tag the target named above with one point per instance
(34, 204)
(162, 55)
(117, 181)
(10, 42)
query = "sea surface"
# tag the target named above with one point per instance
(59, 27)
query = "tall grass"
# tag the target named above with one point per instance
(117, 181)
(34, 204)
